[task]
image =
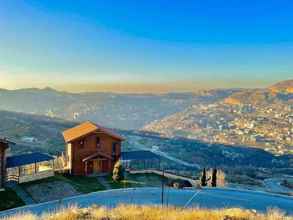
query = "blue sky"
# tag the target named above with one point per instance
(182, 45)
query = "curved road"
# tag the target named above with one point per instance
(207, 198)
(140, 146)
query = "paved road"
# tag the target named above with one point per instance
(163, 154)
(176, 160)
(207, 198)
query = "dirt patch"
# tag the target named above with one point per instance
(55, 190)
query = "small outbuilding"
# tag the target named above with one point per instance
(29, 167)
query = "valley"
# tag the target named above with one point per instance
(124, 111)
(246, 133)
(242, 165)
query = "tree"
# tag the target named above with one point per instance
(221, 182)
(214, 178)
(204, 180)
(118, 172)
(218, 178)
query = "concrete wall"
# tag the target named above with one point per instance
(166, 174)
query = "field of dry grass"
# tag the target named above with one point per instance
(131, 212)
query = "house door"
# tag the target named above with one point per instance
(105, 167)
(90, 167)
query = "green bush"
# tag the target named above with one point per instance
(118, 172)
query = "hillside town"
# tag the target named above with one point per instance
(269, 127)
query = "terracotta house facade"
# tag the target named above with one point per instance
(91, 149)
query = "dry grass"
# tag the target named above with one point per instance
(133, 212)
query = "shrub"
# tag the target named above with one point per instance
(118, 172)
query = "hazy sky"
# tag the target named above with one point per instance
(145, 45)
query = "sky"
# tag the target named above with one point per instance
(145, 46)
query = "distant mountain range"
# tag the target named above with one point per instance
(126, 111)
(240, 117)
(253, 117)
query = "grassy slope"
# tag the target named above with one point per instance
(80, 183)
(9, 200)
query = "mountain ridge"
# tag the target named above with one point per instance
(272, 94)
(127, 111)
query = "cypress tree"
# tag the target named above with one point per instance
(214, 178)
(204, 178)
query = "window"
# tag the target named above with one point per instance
(98, 142)
(45, 166)
(27, 170)
(114, 148)
(81, 143)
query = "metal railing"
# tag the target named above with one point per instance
(12, 178)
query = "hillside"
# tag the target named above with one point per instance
(257, 118)
(253, 97)
(277, 93)
(282, 87)
(33, 133)
(125, 111)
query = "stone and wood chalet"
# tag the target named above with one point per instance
(91, 149)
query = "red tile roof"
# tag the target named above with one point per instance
(85, 129)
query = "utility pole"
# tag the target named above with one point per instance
(162, 196)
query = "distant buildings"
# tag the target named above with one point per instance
(268, 127)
